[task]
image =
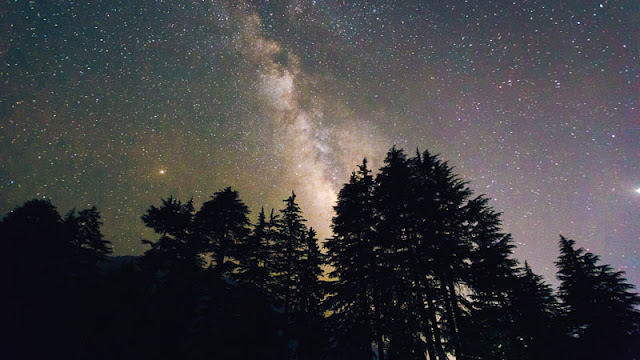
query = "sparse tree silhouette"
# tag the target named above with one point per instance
(88, 235)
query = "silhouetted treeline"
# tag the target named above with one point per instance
(417, 267)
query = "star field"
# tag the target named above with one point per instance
(535, 102)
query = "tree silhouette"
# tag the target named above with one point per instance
(420, 265)
(311, 292)
(254, 255)
(289, 251)
(223, 225)
(600, 311)
(442, 249)
(396, 238)
(353, 256)
(49, 272)
(419, 268)
(535, 317)
(492, 278)
(177, 248)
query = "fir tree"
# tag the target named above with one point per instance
(352, 254)
(311, 291)
(177, 248)
(87, 238)
(291, 233)
(600, 311)
(253, 256)
(535, 316)
(442, 248)
(397, 240)
(492, 278)
(222, 224)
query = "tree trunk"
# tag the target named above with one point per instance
(431, 321)
(452, 313)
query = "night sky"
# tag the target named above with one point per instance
(120, 103)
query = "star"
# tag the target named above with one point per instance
(297, 107)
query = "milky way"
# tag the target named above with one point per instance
(120, 103)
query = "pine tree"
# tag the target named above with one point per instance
(421, 239)
(442, 249)
(311, 288)
(87, 237)
(492, 278)
(288, 251)
(311, 292)
(177, 247)
(600, 311)
(272, 257)
(222, 223)
(398, 241)
(352, 254)
(253, 256)
(535, 316)
(48, 271)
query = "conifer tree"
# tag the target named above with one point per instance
(599, 309)
(396, 240)
(492, 277)
(291, 233)
(253, 255)
(223, 225)
(352, 254)
(427, 239)
(87, 237)
(312, 290)
(176, 248)
(442, 247)
(272, 259)
(535, 315)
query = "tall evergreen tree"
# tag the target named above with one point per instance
(492, 278)
(253, 256)
(397, 239)
(427, 239)
(535, 317)
(312, 289)
(352, 254)
(223, 224)
(291, 234)
(442, 249)
(49, 271)
(272, 259)
(600, 311)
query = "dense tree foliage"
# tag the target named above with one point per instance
(418, 267)
(599, 311)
